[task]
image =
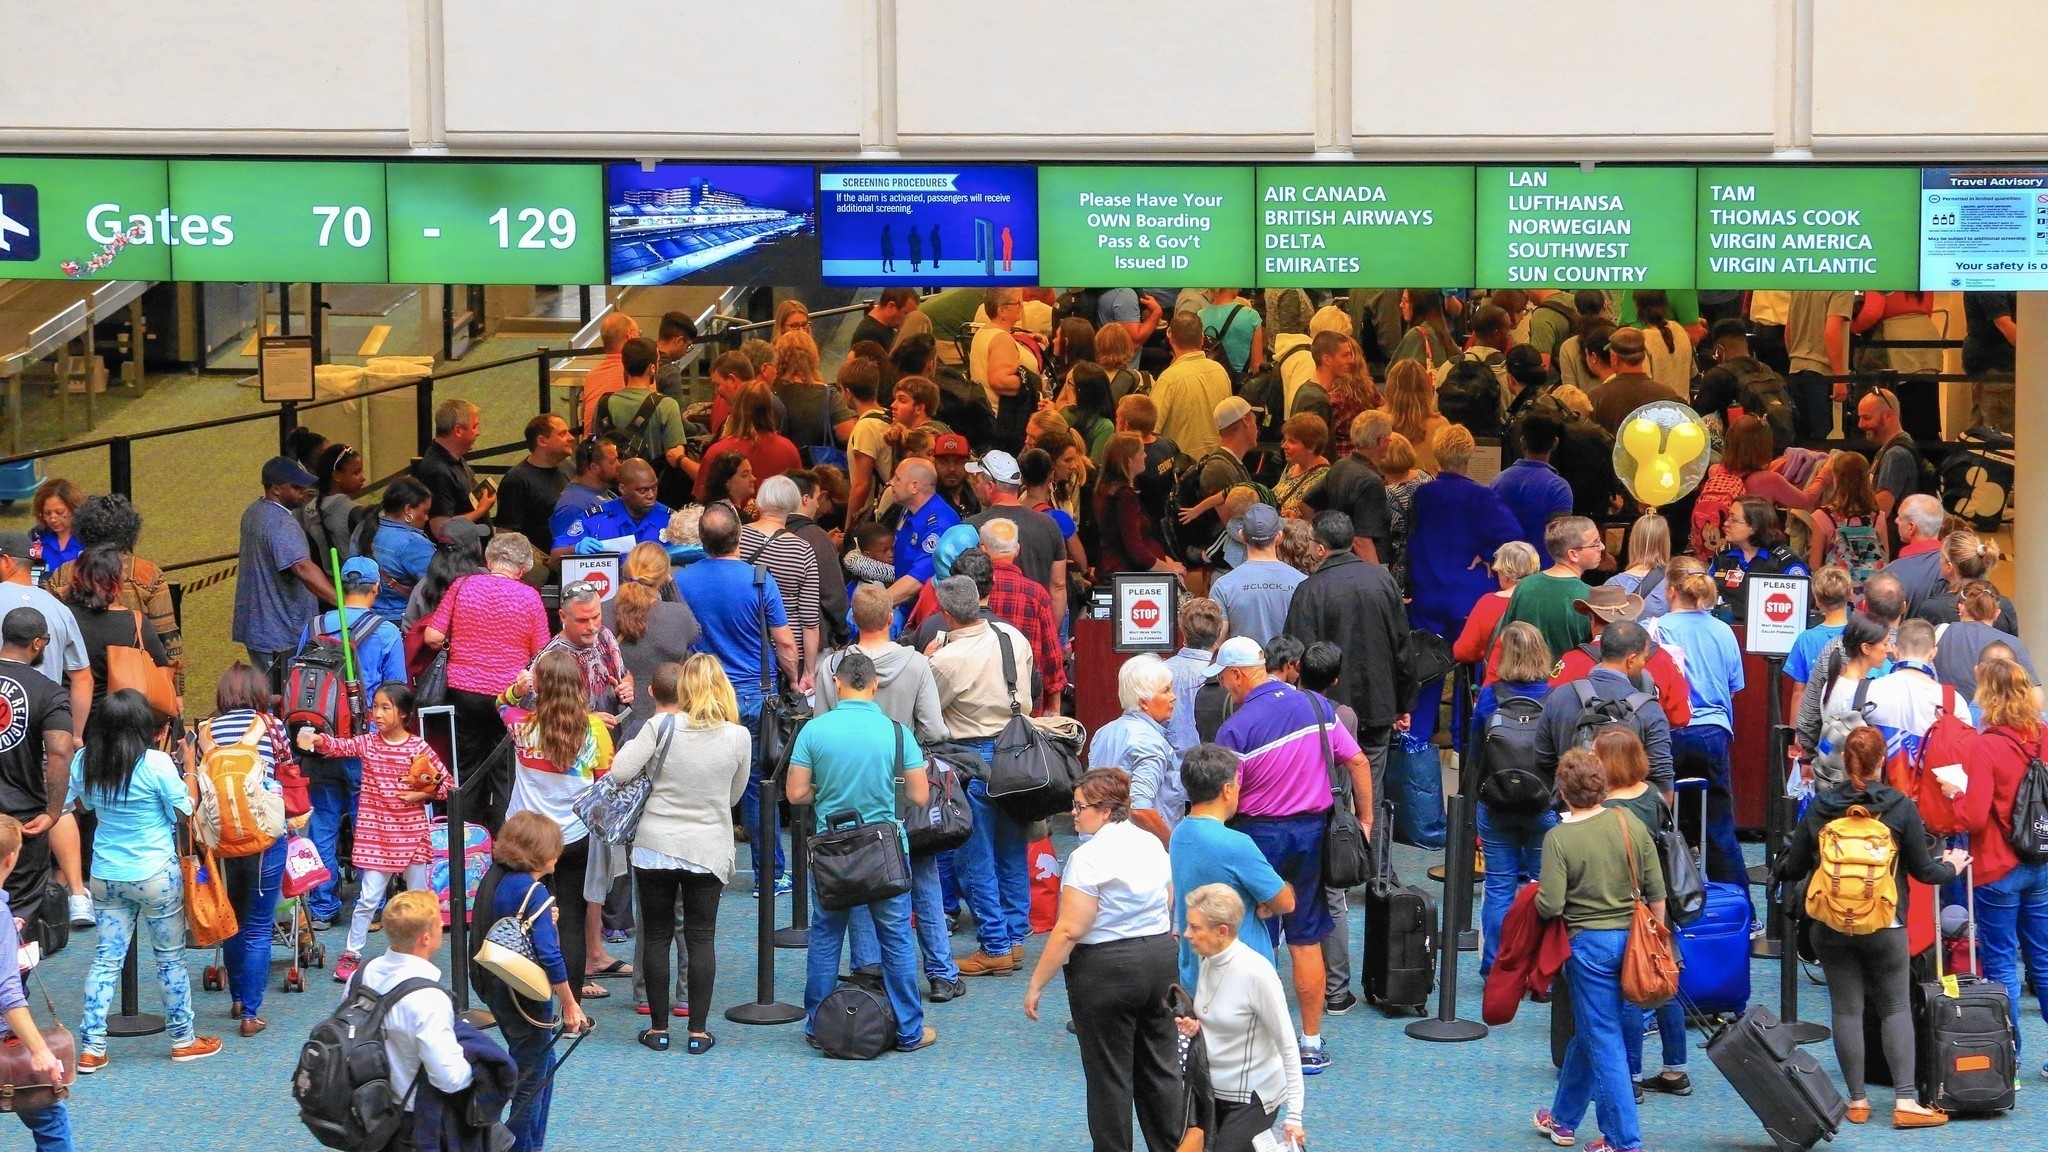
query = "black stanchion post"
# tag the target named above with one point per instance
(798, 934)
(765, 1009)
(132, 1021)
(1468, 787)
(1447, 1028)
(1775, 705)
(1786, 813)
(1779, 816)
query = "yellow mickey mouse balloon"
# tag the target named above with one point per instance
(1661, 453)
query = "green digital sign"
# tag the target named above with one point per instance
(496, 223)
(1817, 228)
(84, 219)
(1566, 227)
(1160, 227)
(267, 220)
(1378, 226)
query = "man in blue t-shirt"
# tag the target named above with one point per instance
(279, 585)
(1206, 850)
(1533, 491)
(721, 591)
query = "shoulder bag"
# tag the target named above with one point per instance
(1347, 858)
(855, 863)
(507, 950)
(209, 917)
(781, 717)
(21, 1088)
(132, 668)
(945, 821)
(433, 686)
(1030, 776)
(1649, 968)
(612, 810)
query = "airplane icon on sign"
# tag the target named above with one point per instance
(18, 219)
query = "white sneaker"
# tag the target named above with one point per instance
(80, 906)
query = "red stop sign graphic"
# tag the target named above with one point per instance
(602, 579)
(1145, 613)
(1778, 607)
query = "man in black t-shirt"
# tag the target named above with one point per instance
(447, 476)
(885, 317)
(1354, 487)
(531, 487)
(35, 753)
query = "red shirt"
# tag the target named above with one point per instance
(771, 455)
(1023, 603)
(1672, 691)
(1477, 638)
(1995, 766)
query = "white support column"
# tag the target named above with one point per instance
(2030, 476)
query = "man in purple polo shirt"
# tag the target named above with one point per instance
(1284, 797)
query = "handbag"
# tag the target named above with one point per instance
(855, 863)
(1427, 656)
(304, 870)
(945, 821)
(1347, 858)
(209, 918)
(612, 810)
(1649, 968)
(21, 1088)
(781, 717)
(433, 687)
(132, 668)
(507, 950)
(1030, 775)
(1685, 890)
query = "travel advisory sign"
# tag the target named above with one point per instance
(1368, 226)
(1809, 228)
(1609, 228)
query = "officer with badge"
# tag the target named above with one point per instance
(597, 469)
(914, 486)
(635, 513)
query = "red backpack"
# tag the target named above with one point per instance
(1944, 743)
(1720, 489)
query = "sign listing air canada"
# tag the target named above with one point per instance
(1162, 227)
(1569, 228)
(1808, 228)
(1366, 226)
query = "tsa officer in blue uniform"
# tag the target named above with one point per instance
(597, 469)
(634, 513)
(915, 486)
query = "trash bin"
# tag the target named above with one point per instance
(381, 427)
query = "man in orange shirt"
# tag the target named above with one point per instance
(609, 375)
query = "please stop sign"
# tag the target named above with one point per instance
(1145, 613)
(1778, 607)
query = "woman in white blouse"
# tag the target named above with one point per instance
(1241, 1010)
(1115, 938)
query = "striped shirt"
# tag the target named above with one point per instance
(795, 567)
(1282, 770)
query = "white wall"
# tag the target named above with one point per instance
(1953, 79)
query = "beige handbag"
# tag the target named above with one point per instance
(507, 951)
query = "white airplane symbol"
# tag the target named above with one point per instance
(9, 224)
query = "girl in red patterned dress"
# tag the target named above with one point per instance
(400, 775)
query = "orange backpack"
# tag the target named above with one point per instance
(237, 814)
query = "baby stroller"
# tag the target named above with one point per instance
(291, 940)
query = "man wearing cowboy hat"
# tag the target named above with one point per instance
(1602, 606)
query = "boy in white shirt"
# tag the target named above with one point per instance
(1904, 704)
(419, 1031)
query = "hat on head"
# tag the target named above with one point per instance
(285, 470)
(456, 530)
(1609, 603)
(998, 466)
(15, 544)
(952, 542)
(359, 572)
(1237, 652)
(1261, 524)
(1627, 342)
(1231, 411)
(1525, 364)
(951, 444)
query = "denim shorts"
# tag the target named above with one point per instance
(1293, 845)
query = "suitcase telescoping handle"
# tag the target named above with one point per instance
(1969, 926)
(1698, 846)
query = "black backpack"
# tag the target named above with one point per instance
(1926, 478)
(1760, 391)
(1263, 391)
(1596, 713)
(1470, 395)
(343, 1081)
(1213, 348)
(854, 1023)
(1512, 779)
(635, 429)
(1079, 303)
(2029, 835)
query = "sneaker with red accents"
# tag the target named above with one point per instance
(1601, 1145)
(345, 968)
(1559, 1135)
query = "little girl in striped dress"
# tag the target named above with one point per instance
(392, 825)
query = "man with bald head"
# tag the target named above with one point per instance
(634, 512)
(1916, 561)
(915, 485)
(609, 374)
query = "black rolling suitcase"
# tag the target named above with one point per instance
(1400, 931)
(1967, 1053)
(1783, 1086)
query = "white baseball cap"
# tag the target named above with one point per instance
(1237, 652)
(998, 466)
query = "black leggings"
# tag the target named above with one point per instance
(1872, 967)
(566, 884)
(1130, 1051)
(700, 891)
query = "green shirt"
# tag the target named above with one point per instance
(664, 428)
(851, 754)
(1545, 601)
(950, 311)
(1586, 876)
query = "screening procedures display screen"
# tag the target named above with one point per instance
(1984, 228)
(496, 223)
(711, 224)
(1365, 226)
(1809, 228)
(1564, 227)
(1159, 227)
(929, 224)
(244, 220)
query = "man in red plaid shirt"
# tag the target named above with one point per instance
(1024, 604)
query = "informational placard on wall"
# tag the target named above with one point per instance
(1168, 227)
(1370, 226)
(269, 220)
(1809, 228)
(942, 225)
(1984, 228)
(84, 219)
(1565, 227)
(711, 224)
(496, 223)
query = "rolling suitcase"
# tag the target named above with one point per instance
(1400, 932)
(1713, 951)
(1967, 1051)
(1783, 1086)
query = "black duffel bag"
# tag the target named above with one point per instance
(1347, 856)
(945, 821)
(854, 1023)
(1031, 776)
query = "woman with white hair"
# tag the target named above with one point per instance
(1241, 1010)
(770, 540)
(1136, 742)
(1477, 643)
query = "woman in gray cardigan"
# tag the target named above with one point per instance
(697, 755)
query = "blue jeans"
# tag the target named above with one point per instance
(933, 941)
(1514, 856)
(333, 801)
(995, 875)
(750, 802)
(899, 962)
(532, 1053)
(1705, 746)
(51, 1127)
(1670, 1032)
(253, 883)
(159, 902)
(1595, 1067)
(2012, 919)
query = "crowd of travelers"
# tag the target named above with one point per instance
(1355, 493)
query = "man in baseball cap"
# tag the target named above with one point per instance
(950, 453)
(280, 583)
(1237, 427)
(998, 466)
(1255, 594)
(1631, 386)
(64, 661)
(1042, 544)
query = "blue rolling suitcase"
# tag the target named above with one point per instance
(1714, 950)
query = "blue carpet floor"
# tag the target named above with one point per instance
(994, 1081)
